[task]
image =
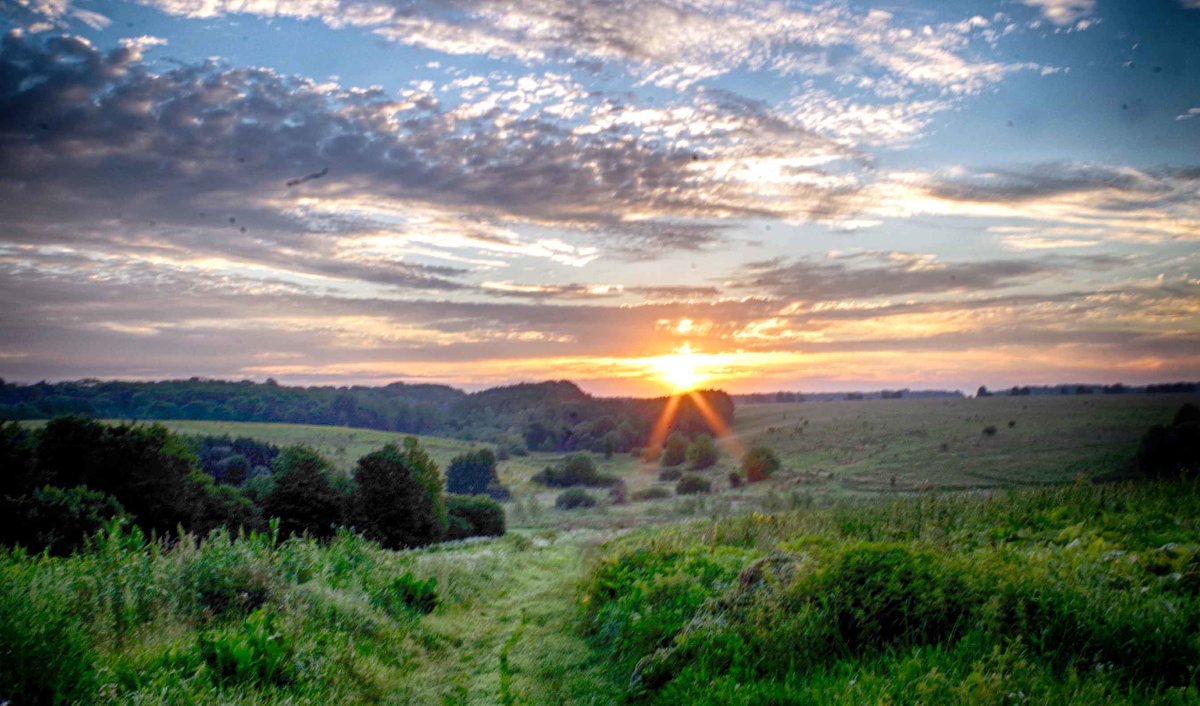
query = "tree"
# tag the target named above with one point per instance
(471, 473)
(398, 496)
(702, 452)
(303, 498)
(758, 463)
(474, 516)
(675, 452)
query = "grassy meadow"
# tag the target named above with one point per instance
(993, 569)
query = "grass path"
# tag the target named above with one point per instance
(507, 636)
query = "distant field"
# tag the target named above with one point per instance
(830, 450)
(940, 443)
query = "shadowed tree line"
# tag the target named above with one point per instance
(546, 416)
(61, 483)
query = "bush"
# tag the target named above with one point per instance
(692, 484)
(473, 516)
(1172, 452)
(45, 653)
(670, 474)
(302, 497)
(735, 480)
(989, 430)
(398, 496)
(652, 493)
(576, 469)
(224, 577)
(256, 651)
(471, 473)
(759, 463)
(702, 452)
(573, 498)
(407, 595)
(675, 452)
(57, 520)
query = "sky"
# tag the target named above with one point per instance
(752, 195)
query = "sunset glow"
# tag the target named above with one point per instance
(752, 196)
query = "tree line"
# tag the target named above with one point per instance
(66, 480)
(546, 416)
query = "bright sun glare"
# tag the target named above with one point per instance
(680, 370)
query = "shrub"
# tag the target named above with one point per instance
(675, 451)
(473, 516)
(759, 463)
(45, 653)
(471, 473)
(407, 595)
(1171, 452)
(652, 493)
(224, 577)
(692, 484)
(670, 474)
(576, 469)
(735, 480)
(256, 651)
(573, 498)
(57, 520)
(702, 452)
(398, 496)
(302, 497)
(989, 430)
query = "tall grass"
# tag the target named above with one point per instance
(1065, 595)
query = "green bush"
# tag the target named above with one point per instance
(652, 493)
(45, 653)
(474, 516)
(759, 463)
(669, 474)
(576, 469)
(574, 498)
(398, 498)
(675, 451)
(224, 577)
(255, 651)
(702, 452)
(57, 520)
(692, 484)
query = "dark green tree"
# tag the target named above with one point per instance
(675, 452)
(398, 496)
(303, 498)
(473, 516)
(472, 473)
(702, 452)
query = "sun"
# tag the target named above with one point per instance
(680, 370)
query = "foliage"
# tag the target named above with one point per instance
(759, 463)
(398, 496)
(691, 484)
(576, 469)
(474, 473)
(654, 492)
(56, 520)
(702, 452)
(256, 651)
(406, 594)
(573, 498)
(1172, 452)
(670, 474)
(675, 451)
(474, 516)
(302, 497)
(1067, 595)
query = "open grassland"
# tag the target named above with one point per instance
(830, 451)
(1068, 595)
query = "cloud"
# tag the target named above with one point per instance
(1063, 12)
(863, 275)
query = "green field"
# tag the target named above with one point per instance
(827, 584)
